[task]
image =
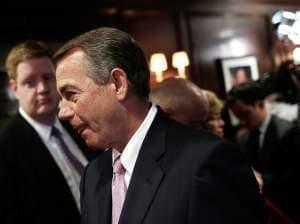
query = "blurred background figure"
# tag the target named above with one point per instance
(283, 90)
(8, 104)
(183, 100)
(214, 122)
(187, 103)
(271, 146)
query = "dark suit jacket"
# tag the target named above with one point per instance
(265, 159)
(278, 161)
(32, 187)
(181, 176)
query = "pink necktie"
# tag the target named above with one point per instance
(118, 190)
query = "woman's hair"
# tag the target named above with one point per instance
(215, 104)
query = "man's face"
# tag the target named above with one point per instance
(92, 109)
(250, 115)
(35, 88)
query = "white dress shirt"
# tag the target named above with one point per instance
(132, 149)
(263, 128)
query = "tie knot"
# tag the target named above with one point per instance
(256, 133)
(55, 132)
(118, 167)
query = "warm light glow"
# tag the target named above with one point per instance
(294, 33)
(158, 64)
(238, 47)
(284, 29)
(296, 54)
(283, 21)
(180, 60)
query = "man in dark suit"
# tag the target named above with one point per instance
(39, 182)
(157, 171)
(271, 146)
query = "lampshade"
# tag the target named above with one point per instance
(158, 64)
(180, 59)
(296, 55)
(294, 33)
(282, 21)
(282, 17)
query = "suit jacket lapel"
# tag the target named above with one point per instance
(147, 175)
(271, 141)
(37, 155)
(101, 210)
(37, 151)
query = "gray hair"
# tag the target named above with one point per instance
(109, 48)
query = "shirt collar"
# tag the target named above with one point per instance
(132, 149)
(263, 127)
(42, 129)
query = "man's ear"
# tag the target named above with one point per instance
(120, 83)
(13, 86)
(260, 103)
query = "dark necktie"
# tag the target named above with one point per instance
(254, 149)
(66, 151)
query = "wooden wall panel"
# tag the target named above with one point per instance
(217, 36)
(154, 34)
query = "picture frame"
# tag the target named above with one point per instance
(235, 71)
(238, 70)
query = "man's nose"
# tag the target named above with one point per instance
(42, 87)
(221, 122)
(65, 111)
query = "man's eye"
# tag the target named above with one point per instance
(28, 83)
(47, 78)
(73, 99)
(71, 96)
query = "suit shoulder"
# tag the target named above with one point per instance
(179, 132)
(282, 125)
(101, 159)
(198, 142)
(18, 134)
(13, 128)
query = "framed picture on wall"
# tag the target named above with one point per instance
(238, 70)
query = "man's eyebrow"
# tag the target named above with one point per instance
(66, 84)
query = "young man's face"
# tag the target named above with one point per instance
(250, 115)
(35, 88)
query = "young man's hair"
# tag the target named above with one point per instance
(248, 92)
(23, 51)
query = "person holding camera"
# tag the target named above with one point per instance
(271, 147)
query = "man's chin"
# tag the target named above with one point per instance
(45, 110)
(95, 145)
(91, 145)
